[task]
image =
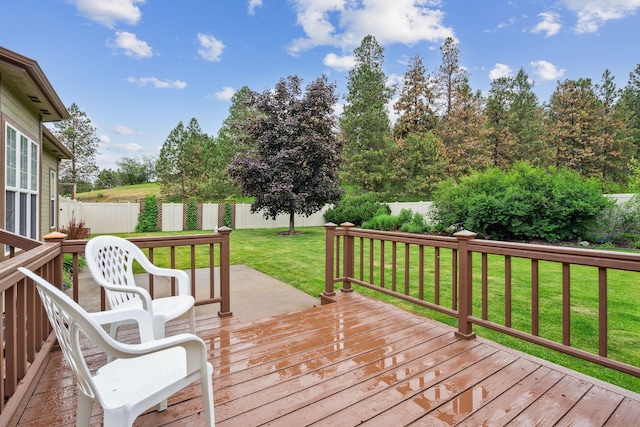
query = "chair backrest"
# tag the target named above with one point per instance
(68, 320)
(110, 261)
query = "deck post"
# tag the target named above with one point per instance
(465, 285)
(56, 279)
(330, 229)
(225, 286)
(348, 257)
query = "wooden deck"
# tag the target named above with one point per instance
(360, 362)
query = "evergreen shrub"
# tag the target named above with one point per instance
(525, 202)
(382, 222)
(356, 209)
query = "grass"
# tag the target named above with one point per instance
(133, 193)
(120, 194)
(299, 261)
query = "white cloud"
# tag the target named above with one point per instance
(125, 130)
(225, 94)
(546, 70)
(338, 109)
(131, 46)
(344, 23)
(339, 63)
(210, 47)
(550, 24)
(592, 14)
(104, 139)
(157, 83)
(108, 12)
(500, 70)
(253, 4)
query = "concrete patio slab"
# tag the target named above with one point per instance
(254, 295)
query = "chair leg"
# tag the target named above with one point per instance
(83, 415)
(162, 406)
(207, 396)
(192, 320)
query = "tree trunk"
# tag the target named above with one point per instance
(292, 229)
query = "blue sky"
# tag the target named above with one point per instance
(138, 67)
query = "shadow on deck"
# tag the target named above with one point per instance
(359, 362)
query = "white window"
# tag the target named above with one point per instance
(21, 190)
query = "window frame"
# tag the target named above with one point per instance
(22, 177)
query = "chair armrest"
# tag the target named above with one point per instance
(181, 277)
(194, 346)
(141, 317)
(142, 292)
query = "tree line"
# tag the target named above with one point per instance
(280, 145)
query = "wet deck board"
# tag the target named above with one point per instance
(358, 362)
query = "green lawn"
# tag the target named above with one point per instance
(299, 261)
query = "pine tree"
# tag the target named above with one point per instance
(464, 134)
(414, 106)
(182, 167)
(231, 141)
(365, 125)
(628, 109)
(78, 134)
(500, 137)
(526, 122)
(575, 128)
(618, 147)
(449, 76)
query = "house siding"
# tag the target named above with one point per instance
(19, 114)
(49, 162)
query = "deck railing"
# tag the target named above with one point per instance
(26, 335)
(566, 299)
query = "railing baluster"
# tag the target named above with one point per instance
(329, 247)
(212, 270)
(406, 268)
(454, 279)
(566, 304)
(421, 272)
(436, 268)
(361, 258)
(193, 270)
(602, 313)
(371, 258)
(507, 291)
(382, 263)
(485, 286)
(535, 298)
(394, 260)
(151, 278)
(173, 266)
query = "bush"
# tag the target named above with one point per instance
(619, 223)
(191, 221)
(523, 203)
(383, 222)
(148, 218)
(417, 224)
(75, 230)
(356, 209)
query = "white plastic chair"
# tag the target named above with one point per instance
(140, 376)
(110, 261)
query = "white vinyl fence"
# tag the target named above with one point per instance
(103, 218)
